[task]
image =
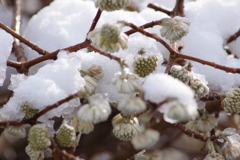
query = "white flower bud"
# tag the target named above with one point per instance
(66, 135)
(144, 66)
(231, 151)
(96, 111)
(146, 139)
(131, 105)
(231, 104)
(174, 29)
(81, 126)
(126, 131)
(38, 138)
(109, 38)
(125, 82)
(18, 131)
(112, 5)
(91, 85)
(207, 124)
(33, 154)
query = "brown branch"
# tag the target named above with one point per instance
(110, 56)
(17, 48)
(194, 134)
(95, 20)
(234, 37)
(211, 97)
(23, 40)
(157, 8)
(175, 54)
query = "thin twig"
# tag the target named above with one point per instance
(17, 48)
(234, 37)
(23, 40)
(157, 8)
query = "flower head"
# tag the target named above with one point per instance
(109, 38)
(144, 66)
(29, 110)
(174, 29)
(18, 131)
(206, 123)
(231, 104)
(33, 154)
(112, 5)
(96, 111)
(81, 126)
(96, 71)
(66, 135)
(125, 81)
(38, 138)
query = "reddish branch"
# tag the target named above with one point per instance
(177, 11)
(17, 48)
(212, 97)
(174, 54)
(234, 37)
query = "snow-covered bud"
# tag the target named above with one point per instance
(126, 131)
(144, 66)
(96, 111)
(146, 139)
(109, 38)
(231, 150)
(81, 126)
(66, 135)
(91, 85)
(125, 81)
(197, 82)
(33, 154)
(181, 113)
(29, 111)
(231, 104)
(112, 5)
(206, 123)
(131, 105)
(18, 131)
(211, 157)
(96, 71)
(174, 29)
(38, 138)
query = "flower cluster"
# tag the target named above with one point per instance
(33, 154)
(175, 28)
(144, 66)
(109, 38)
(18, 131)
(231, 104)
(66, 135)
(112, 5)
(29, 111)
(81, 126)
(195, 81)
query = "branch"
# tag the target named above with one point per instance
(23, 40)
(234, 37)
(211, 97)
(17, 48)
(157, 8)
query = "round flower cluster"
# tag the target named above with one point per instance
(38, 138)
(33, 154)
(144, 66)
(66, 135)
(18, 131)
(184, 74)
(96, 111)
(125, 81)
(112, 5)
(81, 126)
(174, 29)
(109, 38)
(231, 104)
(28, 110)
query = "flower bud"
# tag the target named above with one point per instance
(66, 135)
(112, 5)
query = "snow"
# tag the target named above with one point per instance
(50, 84)
(6, 41)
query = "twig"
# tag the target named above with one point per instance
(23, 40)
(211, 97)
(17, 48)
(234, 37)
(95, 20)
(194, 134)
(157, 8)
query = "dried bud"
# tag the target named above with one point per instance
(144, 66)
(146, 139)
(109, 38)
(96, 72)
(112, 5)
(38, 138)
(66, 135)
(174, 29)
(231, 104)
